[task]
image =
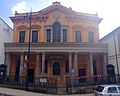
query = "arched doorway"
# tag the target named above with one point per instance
(110, 69)
(111, 73)
(56, 68)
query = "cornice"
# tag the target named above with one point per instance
(55, 47)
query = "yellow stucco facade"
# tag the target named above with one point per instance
(54, 48)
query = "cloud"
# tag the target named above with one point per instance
(20, 7)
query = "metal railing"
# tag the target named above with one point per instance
(39, 84)
(73, 83)
(50, 85)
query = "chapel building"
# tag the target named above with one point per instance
(62, 42)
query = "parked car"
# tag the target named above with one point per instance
(107, 90)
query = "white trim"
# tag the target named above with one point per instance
(46, 33)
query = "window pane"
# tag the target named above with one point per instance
(22, 36)
(56, 32)
(99, 88)
(91, 37)
(48, 35)
(78, 36)
(64, 35)
(118, 89)
(35, 36)
(112, 90)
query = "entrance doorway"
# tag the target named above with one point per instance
(31, 75)
(82, 72)
(111, 73)
(17, 70)
(56, 68)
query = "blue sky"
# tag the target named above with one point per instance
(106, 9)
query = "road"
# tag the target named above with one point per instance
(15, 92)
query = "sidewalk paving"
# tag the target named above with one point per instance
(16, 92)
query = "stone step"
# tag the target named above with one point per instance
(61, 90)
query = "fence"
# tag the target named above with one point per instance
(38, 84)
(49, 85)
(75, 83)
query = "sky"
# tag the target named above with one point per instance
(106, 9)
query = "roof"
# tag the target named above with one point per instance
(111, 33)
(109, 85)
(58, 6)
(5, 23)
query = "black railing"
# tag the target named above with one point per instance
(39, 84)
(49, 84)
(74, 83)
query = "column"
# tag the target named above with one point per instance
(70, 63)
(37, 65)
(91, 63)
(21, 63)
(7, 62)
(76, 64)
(43, 64)
(61, 34)
(104, 63)
(51, 35)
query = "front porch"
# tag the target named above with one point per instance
(56, 60)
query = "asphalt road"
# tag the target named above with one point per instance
(5, 95)
(15, 92)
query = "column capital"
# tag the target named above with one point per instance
(43, 53)
(91, 52)
(70, 53)
(76, 53)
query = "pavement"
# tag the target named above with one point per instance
(15, 92)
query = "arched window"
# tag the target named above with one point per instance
(56, 32)
(56, 68)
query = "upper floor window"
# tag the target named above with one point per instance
(64, 35)
(48, 35)
(35, 36)
(91, 37)
(78, 36)
(56, 32)
(22, 36)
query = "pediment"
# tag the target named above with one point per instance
(56, 7)
(57, 10)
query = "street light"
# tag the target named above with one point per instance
(116, 53)
(28, 17)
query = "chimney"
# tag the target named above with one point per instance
(56, 3)
(16, 13)
(70, 8)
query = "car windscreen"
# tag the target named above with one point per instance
(99, 88)
(118, 89)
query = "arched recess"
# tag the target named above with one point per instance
(17, 32)
(56, 32)
(110, 69)
(35, 27)
(56, 68)
(95, 31)
(81, 29)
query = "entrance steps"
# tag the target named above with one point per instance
(77, 90)
(61, 89)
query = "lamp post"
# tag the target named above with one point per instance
(116, 53)
(28, 17)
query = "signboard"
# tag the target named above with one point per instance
(43, 80)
